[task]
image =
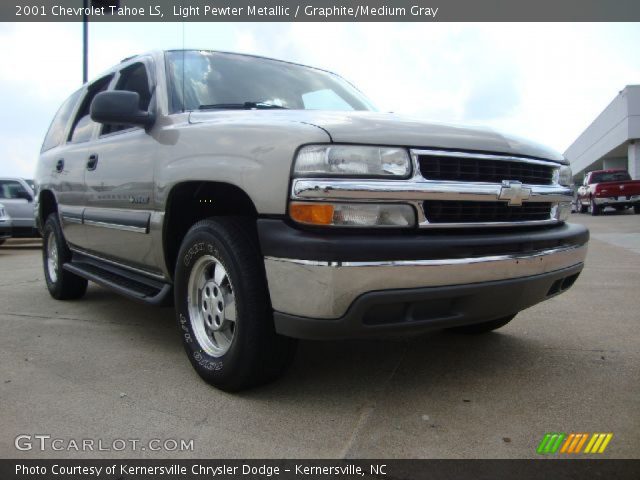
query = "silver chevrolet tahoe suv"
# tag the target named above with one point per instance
(269, 201)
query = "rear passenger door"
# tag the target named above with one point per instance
(63, 174)
(75, 155)
(119, 195)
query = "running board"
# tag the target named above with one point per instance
(130, 284)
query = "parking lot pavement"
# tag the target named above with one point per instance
(107, 368)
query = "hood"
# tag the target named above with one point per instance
(394, 130)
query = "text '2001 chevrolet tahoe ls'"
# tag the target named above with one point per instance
(269, 201)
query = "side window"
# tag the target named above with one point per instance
(55, 135)
(82, 124)
(11, 190)
(132, 79)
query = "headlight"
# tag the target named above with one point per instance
(351, 160)
(563, 176)
(353, 214)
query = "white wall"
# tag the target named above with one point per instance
(634, 160)
(615, 126)
(620, 162)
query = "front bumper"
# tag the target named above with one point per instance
(333, 285)
(410, 311)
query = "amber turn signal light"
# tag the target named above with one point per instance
(312, 213)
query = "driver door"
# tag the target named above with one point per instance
(119, 181)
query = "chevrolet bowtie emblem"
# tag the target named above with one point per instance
(514, 192)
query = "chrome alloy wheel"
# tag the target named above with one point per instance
(52, 258)
(212, 306)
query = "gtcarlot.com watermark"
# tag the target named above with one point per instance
(42, 442)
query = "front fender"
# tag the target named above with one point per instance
(254, 155)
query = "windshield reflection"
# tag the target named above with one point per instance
(203, 79)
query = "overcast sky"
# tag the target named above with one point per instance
(546, 82)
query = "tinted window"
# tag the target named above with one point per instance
(133, 79)
(610, 177)
(200, 78)
(55, 135)
(83, 130)
(10, 189)
(82, 124)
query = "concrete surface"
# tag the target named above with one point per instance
(107, 368)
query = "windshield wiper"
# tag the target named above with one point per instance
(241, 106)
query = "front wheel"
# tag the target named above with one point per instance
(483, 327)
(223, 308)
(62, 285)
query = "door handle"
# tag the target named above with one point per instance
(60, 165)
(92, 163)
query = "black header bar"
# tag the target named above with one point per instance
(321, 10)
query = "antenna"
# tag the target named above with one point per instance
(106, 6)
(183, 57)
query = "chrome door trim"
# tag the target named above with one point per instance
(115, 226)
(71, 214)
(136, 221)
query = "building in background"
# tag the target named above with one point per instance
(612, 140)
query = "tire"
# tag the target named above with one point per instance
(636, 209)
(484, 327)
(62, 285)
(594, 209)
(2, 240)
(583, 208)
(223, 308)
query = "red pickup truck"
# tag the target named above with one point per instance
(608, 188)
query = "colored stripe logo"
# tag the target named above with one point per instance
(574, 443)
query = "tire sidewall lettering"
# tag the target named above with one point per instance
(196, 249)
(204, 360)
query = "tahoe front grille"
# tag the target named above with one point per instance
(439, 211)
(465, 169)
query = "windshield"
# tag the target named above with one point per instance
(214, 80)
(610, 177)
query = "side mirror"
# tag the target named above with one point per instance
(24, 195)
(120, 107)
